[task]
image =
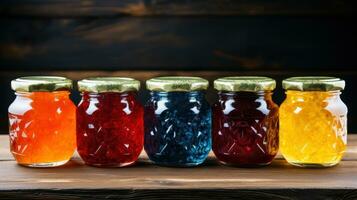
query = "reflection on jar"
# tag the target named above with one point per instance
(177, 121)
(110, 126)
(245, 128)
(245, 121)
(313, 121)
(110, 129)
(313, 128)
(42, 123)
(177, 128)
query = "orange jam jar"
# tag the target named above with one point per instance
(42, 121)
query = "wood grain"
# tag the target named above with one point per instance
(110, 8)
(178, 43)
(146, 176)
(166, 194)
(209, 181)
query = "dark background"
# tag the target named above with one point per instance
(208, 38)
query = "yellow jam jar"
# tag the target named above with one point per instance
(313, 121)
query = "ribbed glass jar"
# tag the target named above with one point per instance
(313, 121)
(245, 121)
(42, 121)
(110, 127)
(177, 121)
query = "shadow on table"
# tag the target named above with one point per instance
(211, 162)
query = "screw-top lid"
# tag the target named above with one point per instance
(313, 83)
(245, 84)
(41, 84)
(108, 84)
(177, 84)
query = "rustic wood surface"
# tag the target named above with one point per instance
(110, 8)
(147, 181)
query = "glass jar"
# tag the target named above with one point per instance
(110, 126)
(42, 121)
(245, 121)
(177, 121)
(313, 118)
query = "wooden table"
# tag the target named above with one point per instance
(209, 181)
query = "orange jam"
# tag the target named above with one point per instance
(42, 128)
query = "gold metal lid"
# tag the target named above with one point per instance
(177, 84)
(108, 84)
(245, 84)
(41, 84)
(313, 83)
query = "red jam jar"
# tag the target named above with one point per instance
(245, 121)
(110, 127)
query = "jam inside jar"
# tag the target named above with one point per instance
(313, 121)
(110, 123)
(42, 121)
(245, 121)
(177, 121)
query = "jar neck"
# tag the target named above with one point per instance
(107, 95)
(92, 94)
(57, 94)
(181, 95)
(267, 95)
(313, 95)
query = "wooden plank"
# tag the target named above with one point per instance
(279, 175)
(166, 194)
(210, 181)
(110, 8)
(197, 194)
(178, 43)
(211, 175)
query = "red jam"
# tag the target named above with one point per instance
(245, 128)
(110, 128)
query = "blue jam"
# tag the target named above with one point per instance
(177, 128)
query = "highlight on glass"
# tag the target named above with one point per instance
(42, 121)
(177, 121)
(313, 121)
(245, 121)
(110, 126)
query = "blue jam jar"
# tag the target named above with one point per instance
(177, 121)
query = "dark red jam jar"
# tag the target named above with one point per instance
(110, 127)
(245, 121)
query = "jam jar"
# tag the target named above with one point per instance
(313, 118)
(177, 121)
(110, 124)
(42, 121)
(245, 121)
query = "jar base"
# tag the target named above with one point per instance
(111, 165)
(255, 165)
(312, 165)
(178, 165)
(44, 165)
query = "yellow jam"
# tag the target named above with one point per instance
(313, 130)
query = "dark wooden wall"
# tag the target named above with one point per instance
(210, 38)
